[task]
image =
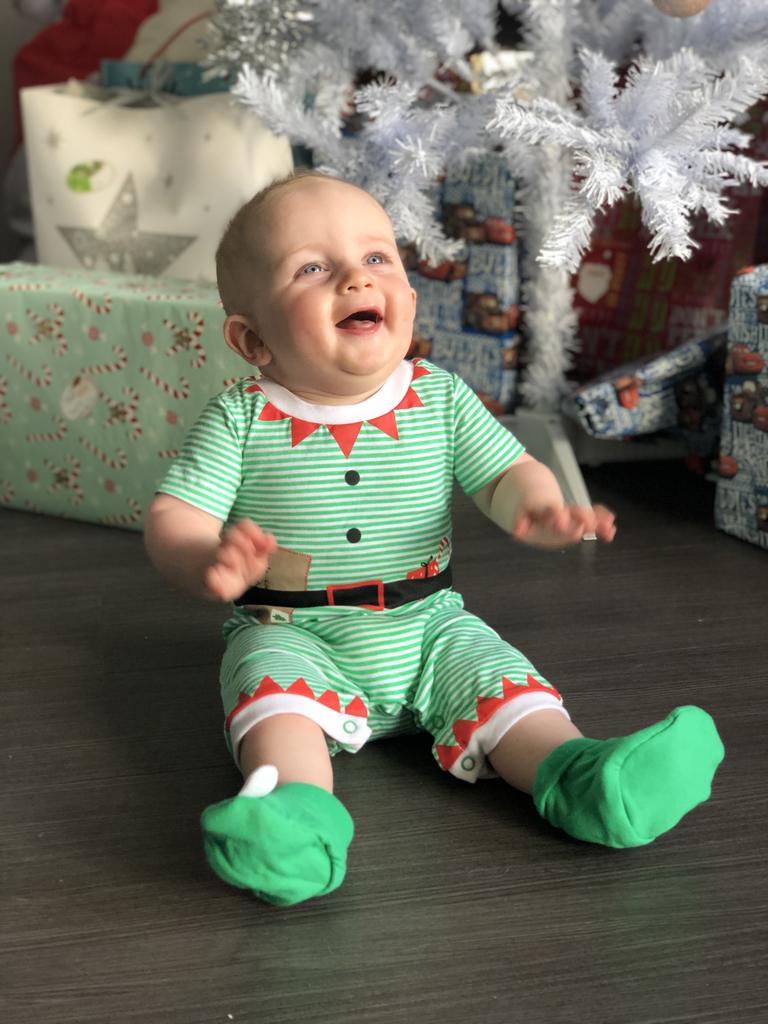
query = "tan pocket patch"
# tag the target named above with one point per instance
(288, 570)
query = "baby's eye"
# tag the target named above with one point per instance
(311, 268)
(376, 257)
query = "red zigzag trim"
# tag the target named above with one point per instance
(464, 729)
(299, 688)
(345, 434)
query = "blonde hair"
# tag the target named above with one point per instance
(238, 249)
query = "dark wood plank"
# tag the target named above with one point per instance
(459, 902)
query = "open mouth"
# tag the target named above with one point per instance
(361, 320)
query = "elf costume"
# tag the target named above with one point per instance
(355, 624)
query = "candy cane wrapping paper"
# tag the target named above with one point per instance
(136, 188)
(87, 428)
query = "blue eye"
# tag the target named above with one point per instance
(311, 268)
(376, 257)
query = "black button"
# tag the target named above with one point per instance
(352, 477)
(353, 536)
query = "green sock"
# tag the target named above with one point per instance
(287, 846)
(629, 790)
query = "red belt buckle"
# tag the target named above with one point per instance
(379, 584)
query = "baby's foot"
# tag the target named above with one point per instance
(629, 790)
(285, 845)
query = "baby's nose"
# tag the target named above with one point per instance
(355, 277)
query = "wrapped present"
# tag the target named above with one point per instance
(741, 503)
(467, 309)
(678, 391)
(630, 306)
(101, 377)
(140, 183)
(487, 363)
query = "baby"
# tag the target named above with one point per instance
(317, 498)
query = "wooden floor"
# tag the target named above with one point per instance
(460, 904)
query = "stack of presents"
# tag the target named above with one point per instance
(468, 309)
(111, 343)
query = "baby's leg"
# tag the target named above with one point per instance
(285, 835)
(295, 745)
(619, 792)
(482, 700)
(517, 756)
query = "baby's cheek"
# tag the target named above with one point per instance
(405, 300)
(303, 323)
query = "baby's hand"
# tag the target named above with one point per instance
(560, 527)
(240, 560)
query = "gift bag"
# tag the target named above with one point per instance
(73, 45)
(130, 182)
(176, 30)
(180, 78)
(166, 53)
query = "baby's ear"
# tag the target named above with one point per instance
(242, 336)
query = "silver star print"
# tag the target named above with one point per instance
(118, 244)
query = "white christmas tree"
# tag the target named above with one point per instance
(667, 134)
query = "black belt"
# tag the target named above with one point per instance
(372, 594)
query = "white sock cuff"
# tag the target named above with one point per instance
(260, 782)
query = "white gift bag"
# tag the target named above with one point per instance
(125, 182)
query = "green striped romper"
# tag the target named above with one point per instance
(360, 493)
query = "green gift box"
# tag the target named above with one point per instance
(101, 376)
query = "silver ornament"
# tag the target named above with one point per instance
(263, 34)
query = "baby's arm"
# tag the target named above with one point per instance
(187, 546)
(526, 502)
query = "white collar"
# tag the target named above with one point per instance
(389, 395)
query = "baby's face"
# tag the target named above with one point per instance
(333, 306)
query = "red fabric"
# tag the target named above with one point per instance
(387, 424)
(89, 31)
